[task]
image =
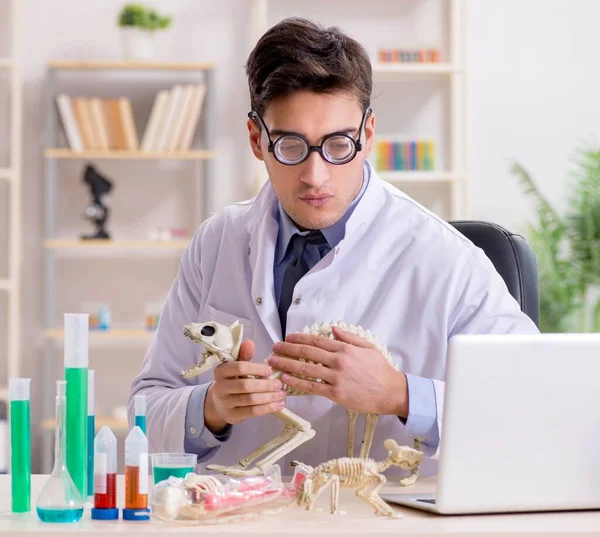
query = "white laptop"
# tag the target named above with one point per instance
(521, 426)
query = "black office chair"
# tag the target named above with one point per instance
(513, 258)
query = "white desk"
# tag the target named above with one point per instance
(360, 520)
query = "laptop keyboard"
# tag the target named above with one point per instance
(426, 500)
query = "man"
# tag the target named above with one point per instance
(324, 240)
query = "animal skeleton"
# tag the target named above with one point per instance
(364, 476)
(222, 344)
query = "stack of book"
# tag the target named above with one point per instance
(397, 55)
(108, 124)
(404, 155)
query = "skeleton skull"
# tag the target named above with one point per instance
(221, 343)
(403, 456)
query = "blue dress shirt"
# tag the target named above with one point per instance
(422, 415)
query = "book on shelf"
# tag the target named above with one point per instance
(92, 123)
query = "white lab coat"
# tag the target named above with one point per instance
(400, 271)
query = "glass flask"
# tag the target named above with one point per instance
(60, 500)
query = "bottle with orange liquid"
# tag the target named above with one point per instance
(136, 476)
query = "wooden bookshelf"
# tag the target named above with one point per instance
(114, 335)
(60, 153)
(418, 176)
(72, 244)
(110, 125)
(116, 424)
(415, 68)
(107, 65)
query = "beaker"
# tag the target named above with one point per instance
(165, 465)
(60, 500)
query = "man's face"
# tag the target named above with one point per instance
(315, 194)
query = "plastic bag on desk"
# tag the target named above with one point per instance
(216, 498)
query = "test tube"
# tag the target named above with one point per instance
(105, 476)
(76, 374)
(20, 444)
(136, 476)
(140, 412)
(91, 433)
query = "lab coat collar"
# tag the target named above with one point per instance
(263, 227)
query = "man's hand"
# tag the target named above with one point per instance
(355, 373)
(231, 398)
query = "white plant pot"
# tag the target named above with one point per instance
(137, 44)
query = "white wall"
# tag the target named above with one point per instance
(533, 93)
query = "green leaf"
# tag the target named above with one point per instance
(596, 319)
(559, 279)
(138, 16)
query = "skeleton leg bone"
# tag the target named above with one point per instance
(288, 432)
(296, 432)
(318, 486)
(298, 439)
(370, 423)
(372, 497)
(384, 508)
(335, 495)
(414, 473)
(352, 415)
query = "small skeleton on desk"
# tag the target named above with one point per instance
(364, 476)
(222, 344)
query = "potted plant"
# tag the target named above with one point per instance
(138, 25)
(567, 248)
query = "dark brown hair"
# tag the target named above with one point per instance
(297, 54)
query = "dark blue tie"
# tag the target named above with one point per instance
(297, 268)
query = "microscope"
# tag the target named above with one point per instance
(97, 210)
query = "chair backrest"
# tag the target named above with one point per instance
(513, 258)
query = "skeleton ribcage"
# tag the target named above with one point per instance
(324, 329)
(351, 471)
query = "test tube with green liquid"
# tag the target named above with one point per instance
(76, 374)
(91, 425)
(20, 444)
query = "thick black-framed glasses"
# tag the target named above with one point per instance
(291, 148)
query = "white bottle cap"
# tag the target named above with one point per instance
(18, 389)
(106, 443)
(90, 392)
(136, 445)
(140, 405)
(76, 339)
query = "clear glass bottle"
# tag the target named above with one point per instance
(60, 500)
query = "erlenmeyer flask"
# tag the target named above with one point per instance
(60, 500)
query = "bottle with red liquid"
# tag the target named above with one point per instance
(105, 476)
(136, 476)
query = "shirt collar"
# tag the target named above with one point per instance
(333, 234)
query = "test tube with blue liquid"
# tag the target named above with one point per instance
(60, 499)
(20, 444)
(91, 434)
(140, 412)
